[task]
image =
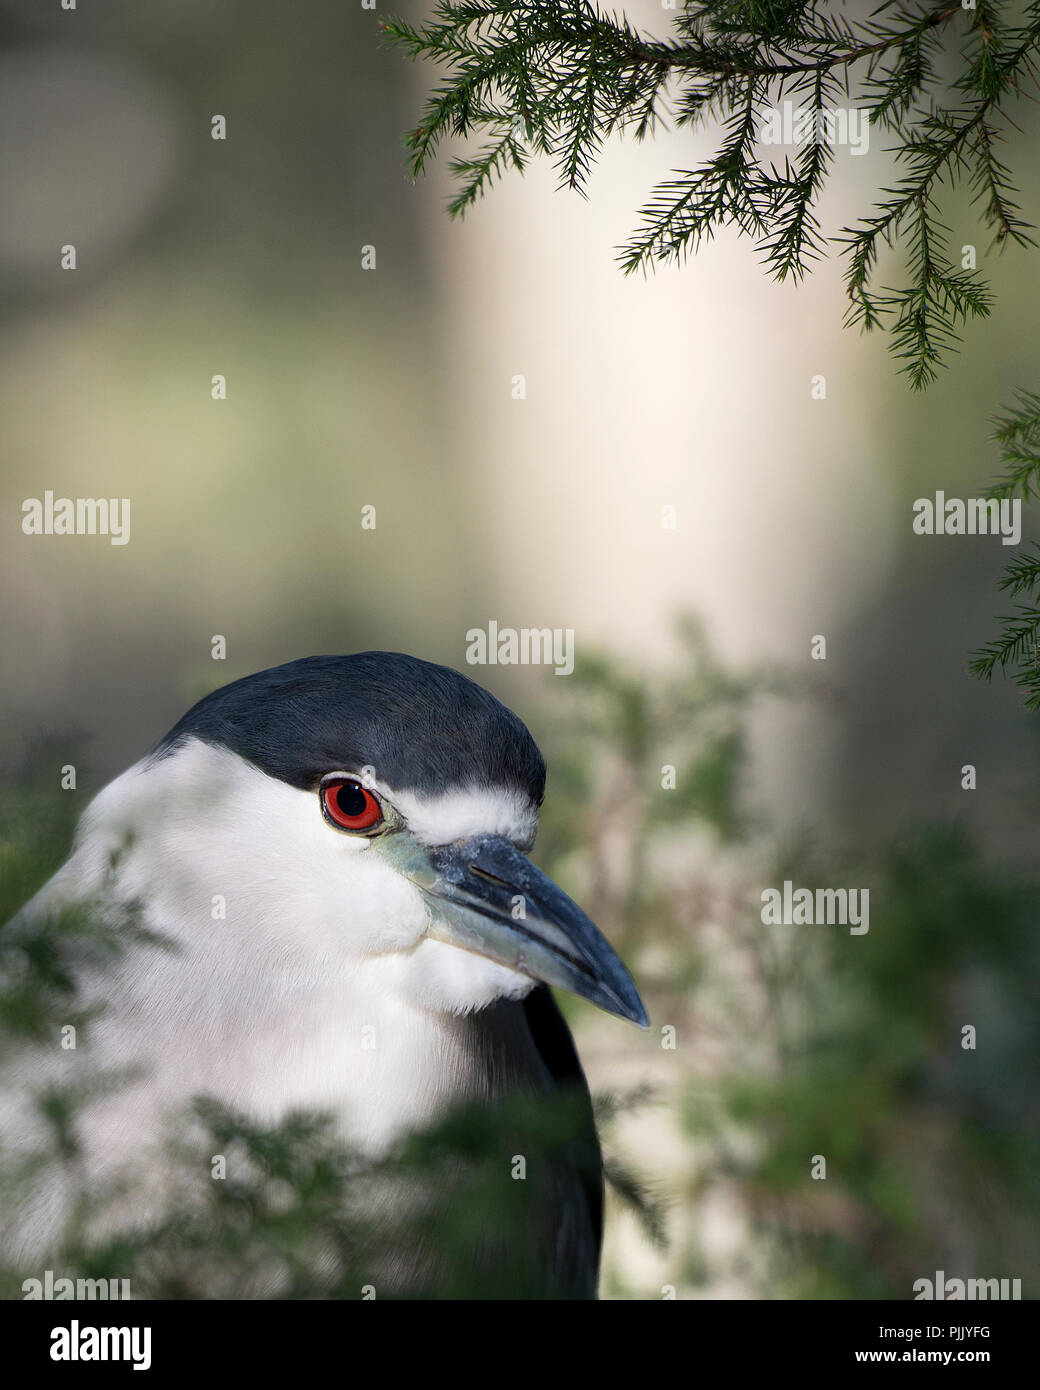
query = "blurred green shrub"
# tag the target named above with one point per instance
(796, 1041)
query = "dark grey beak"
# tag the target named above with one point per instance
(485, 896)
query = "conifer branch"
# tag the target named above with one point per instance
(558, 77)
(1017, 648)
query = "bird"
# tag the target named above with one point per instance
(334, 854)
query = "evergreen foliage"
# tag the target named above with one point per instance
(1016, 650)
(557, 78)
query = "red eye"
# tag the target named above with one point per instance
(350, 806)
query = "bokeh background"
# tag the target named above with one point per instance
(393, 388)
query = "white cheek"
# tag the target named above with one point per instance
(368, 907)
(449, 980)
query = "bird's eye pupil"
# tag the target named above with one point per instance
(350, 806)
(351, 799)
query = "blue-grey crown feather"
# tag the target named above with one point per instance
(421, 726)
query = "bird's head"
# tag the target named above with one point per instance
(366, 808)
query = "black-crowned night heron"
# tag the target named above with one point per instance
(334, 847)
